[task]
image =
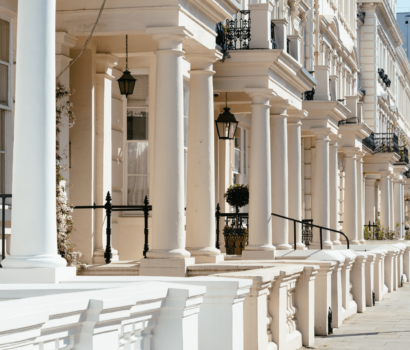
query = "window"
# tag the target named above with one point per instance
(240, 156)
(6, 62)
(137, 143)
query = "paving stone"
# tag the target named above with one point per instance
(385, 326)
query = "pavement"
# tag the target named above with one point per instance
(385, 326)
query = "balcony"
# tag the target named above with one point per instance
(234, 34)
(404, 155)
(382, 143)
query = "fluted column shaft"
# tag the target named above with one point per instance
(370, 200)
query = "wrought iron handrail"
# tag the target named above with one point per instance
(3, 224)
(312, 225)
(229, 33)
(109, 208)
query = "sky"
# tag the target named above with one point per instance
(403, 5)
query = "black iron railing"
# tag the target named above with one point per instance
(307, 232)
(407, 174)
(4, 207)
(321, 228)
(236, 231)
(234, 34)
(368, 142)
(386, 143)
(109, 208)
(378, 233)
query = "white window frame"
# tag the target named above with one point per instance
(9, 109)
(135, 71)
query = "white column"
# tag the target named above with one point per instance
(385, 199)
(350, 203)
(370, 200)
(392, 210)
(279, 176)
(321, 195)
(200, 212)
(402, 218)
(397, 205)
(168, 231)
(334, 188)
(295, 178)
(103, 150)
(34, 243)
(360, 224)
(260, 233)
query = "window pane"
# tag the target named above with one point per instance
(138, 158)
(4, 41)
(138, 188)
(237, 168)
(238, 138)
(4, 84)
(137, 124)
(2, 130)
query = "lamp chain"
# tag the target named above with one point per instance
(126, 44)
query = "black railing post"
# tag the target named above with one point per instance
(146, 232)
(294, 234)
(108, 208)
(321, 243)
(217, 216)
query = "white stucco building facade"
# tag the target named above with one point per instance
(321, 93)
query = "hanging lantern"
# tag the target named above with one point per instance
(127, 81)
(226, 124)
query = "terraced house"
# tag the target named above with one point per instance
(175, 106)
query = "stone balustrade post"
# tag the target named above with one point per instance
(337, 294)
(358, 281)
(369, 275)
(378, 274)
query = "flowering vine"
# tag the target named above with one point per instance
(66, 247)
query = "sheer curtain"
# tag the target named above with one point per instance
(138, 172)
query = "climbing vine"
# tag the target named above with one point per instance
(66, 247)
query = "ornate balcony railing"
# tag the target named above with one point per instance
(308, 95)
(386, 143)
(272, 36)
(368, 142)
(234, 34)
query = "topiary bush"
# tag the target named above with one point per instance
(237, 196)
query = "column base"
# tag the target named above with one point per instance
(354, 242)
(37, 275)
(209, 259)
(33, 261)
(300, 246)
(98, 257)
(283, 246)
(166, 267)
(258, 255)
(337, 243)
(316, 245)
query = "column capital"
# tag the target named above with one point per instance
(351, 152)
(202, 60)
(322, 134)
(105, 62)
(400, 181)
(295, 116)
(384, 174)
(169, 38)
(260, 95)
(64, 42)
(334, 138)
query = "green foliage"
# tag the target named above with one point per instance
(381, 233)
(66, 247)
(237, 195)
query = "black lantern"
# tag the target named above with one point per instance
(127, 81)
(226, 124)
